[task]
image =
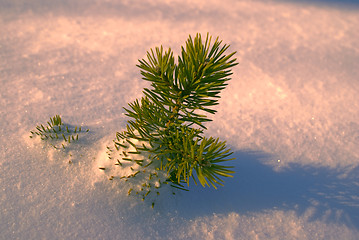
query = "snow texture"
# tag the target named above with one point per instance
(290, 114)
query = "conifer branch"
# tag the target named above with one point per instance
(171, 117)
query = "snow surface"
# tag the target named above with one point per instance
(290, 114)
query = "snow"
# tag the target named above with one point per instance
(290, 114)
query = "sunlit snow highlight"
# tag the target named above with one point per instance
(290, 114)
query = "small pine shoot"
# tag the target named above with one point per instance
(167, 124)
(57, 134)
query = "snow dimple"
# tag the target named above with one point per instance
(131, 170)
(37, 95)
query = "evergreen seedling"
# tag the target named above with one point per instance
(164, 136)
(57, 134)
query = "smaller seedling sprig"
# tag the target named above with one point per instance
(56, 133)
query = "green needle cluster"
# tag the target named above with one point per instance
(168, 123)
(56, 133)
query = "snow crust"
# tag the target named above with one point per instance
(290, 114)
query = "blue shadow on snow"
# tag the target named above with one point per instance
(256, 186)
(331, 3)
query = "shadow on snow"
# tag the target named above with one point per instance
(349, 4)
(256, 186)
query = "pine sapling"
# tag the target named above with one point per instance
(164, 141)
